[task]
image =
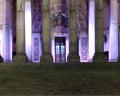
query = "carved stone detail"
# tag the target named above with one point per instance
(81, 21)
(36, 16)
(59, 19)
(84, 49)
(36, 47)
(36, 29)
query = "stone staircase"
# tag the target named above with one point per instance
(36, 80)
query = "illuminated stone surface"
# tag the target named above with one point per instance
(53, 30)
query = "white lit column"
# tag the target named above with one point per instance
(53, 47)
(28, 30)
(20, 48)
(91, 30)
(7, 34)
(113, 43)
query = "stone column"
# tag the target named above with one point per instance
(99, 39)
(20, 34)
(7, 34)
(46, 55)
(91, 30)
(28, 30)
(1, 29)
(119, 42)
(73, 49)
(113, 43)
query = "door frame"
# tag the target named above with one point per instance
(60, 40)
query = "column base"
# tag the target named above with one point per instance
(20, 58)
(113, 60)
(100, 57)
(46, 58)
(118, 59)
(73, 58)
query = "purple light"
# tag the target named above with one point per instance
(113, 43)
(1, 45)
(67, 47)
(91, 28)
(53, 49)
(28, 30)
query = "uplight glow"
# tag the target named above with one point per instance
(91, 29)
(113, 43)
(28, 30)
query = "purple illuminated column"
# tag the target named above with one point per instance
(73, 51)
(113, 29)
(20, 48)
(99, 39)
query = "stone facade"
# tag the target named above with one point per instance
(59, 31)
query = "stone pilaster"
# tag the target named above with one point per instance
(73, 51)
(99, 39)
(46, 57)
(113, 29)
(20, 34)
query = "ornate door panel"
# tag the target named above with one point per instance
(57, 52)
(63, 57)
(60, 50)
